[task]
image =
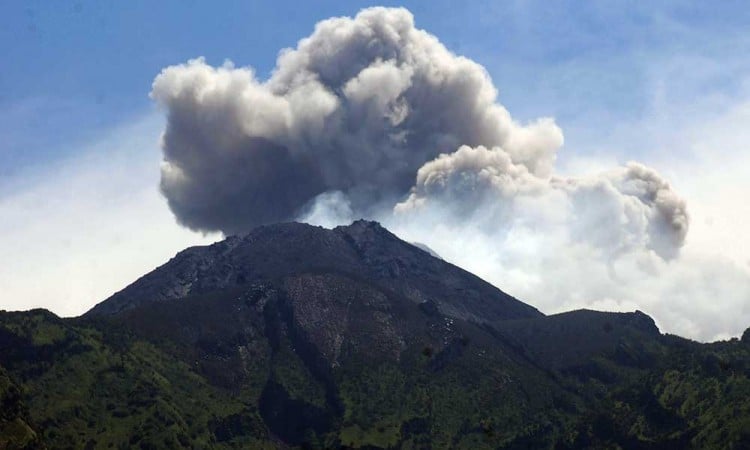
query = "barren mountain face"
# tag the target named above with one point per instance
(362, 251)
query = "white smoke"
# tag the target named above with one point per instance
(627, 208)
(328, 210)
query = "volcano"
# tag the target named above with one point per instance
(295, 336)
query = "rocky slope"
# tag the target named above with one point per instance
(363, 251)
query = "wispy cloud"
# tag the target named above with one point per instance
(75, 232)
(704, 293)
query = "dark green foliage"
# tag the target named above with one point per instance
(15, 429)
(85, 391)
(101, 385)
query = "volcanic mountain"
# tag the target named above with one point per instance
(304, 256)
(295, 336)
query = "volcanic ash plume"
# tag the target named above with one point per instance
(372, 117)
(358, 107)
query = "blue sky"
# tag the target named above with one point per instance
(666, 83)
(73, 67)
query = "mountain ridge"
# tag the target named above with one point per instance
(239, 260)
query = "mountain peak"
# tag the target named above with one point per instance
(363, 224)
(367, 231)
(363, 251)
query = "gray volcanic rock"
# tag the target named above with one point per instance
(363, 250)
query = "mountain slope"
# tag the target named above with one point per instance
(296, 336)
(363, 250)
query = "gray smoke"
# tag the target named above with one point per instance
(358, 107)
(371, 117)
(354, 113)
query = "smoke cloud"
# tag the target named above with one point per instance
(627, 208)
(358, 107)
(372, 117)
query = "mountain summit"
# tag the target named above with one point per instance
(363, 251)
(295, 336)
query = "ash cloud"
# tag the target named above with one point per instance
(357, 107)
(372, 117)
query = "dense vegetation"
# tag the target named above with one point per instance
(68, 384)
